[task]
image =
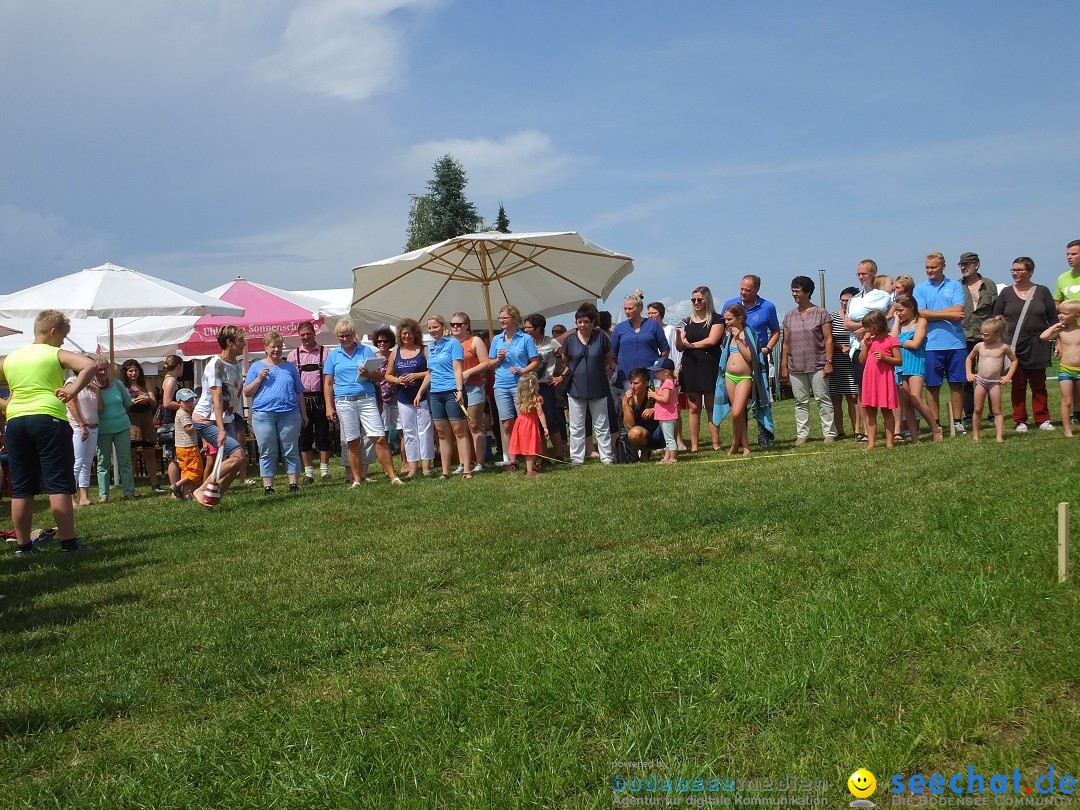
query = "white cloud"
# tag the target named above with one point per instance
(346, 48)
(519, 164)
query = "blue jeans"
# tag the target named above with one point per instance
(277, 432)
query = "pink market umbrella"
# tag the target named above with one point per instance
(268, 309)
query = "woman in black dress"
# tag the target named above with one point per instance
(699, 339)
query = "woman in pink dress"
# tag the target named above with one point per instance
(880, 355)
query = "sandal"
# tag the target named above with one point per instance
(466, 476)
(444, 477)
(898, 438)
(861, 437)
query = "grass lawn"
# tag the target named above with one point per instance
(503, 642)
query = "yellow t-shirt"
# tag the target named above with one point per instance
(33, 374)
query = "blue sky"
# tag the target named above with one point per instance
(280, 140)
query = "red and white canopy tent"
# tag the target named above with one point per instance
(266, 309)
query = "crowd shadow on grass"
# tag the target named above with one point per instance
(56, 616)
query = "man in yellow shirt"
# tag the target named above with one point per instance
(40, 453)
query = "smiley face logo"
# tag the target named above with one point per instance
(861, 783)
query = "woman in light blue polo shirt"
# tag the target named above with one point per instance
(348, 386)
(512, 353)
(446, 361)
(277, 412)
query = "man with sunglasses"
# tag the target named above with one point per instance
(980, 293)
(309, 359)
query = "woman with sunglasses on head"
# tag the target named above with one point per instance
(446, 396)
(474, 376)
(699, 339)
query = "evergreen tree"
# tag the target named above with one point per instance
(444, 212)
(502, 223)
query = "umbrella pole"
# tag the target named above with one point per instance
(112, 344)
(821, 278)
(487, 306)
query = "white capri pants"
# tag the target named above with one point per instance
(416, 431)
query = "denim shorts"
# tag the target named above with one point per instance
(444, 406)
(474, 395)
(506, 402)
(208, 433)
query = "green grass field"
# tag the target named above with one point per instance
(503, 642)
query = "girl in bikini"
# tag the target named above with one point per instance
(738, 376)
(990, 355)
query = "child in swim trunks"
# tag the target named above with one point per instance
(1067, 334)
(990, 355)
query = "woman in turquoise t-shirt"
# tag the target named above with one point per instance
(114, 434)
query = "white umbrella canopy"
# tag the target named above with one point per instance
(110, 291)
(548, 273)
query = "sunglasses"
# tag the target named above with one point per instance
(381, 342)
(697, 300)
(456, 325)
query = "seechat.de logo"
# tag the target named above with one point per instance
(975, 783)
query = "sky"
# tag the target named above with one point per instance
(280, 140)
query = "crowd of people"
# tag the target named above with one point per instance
(590, 391)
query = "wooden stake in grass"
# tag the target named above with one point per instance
(1063, 541)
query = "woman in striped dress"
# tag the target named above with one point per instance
(843, 384)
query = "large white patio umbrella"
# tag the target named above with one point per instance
(110, 291)
(547, 273)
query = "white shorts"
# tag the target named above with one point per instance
(359, 418)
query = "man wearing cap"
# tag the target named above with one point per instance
(761, 317)
(941, 302)
(1068, 289)
(980, 293)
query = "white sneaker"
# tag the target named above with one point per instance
(459, 469)
(958, 427)
(1048, 425)
(478, 468)
(1022, 428)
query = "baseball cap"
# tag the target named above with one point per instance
(184, 394)
(662, 363)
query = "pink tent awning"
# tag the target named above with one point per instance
(267, 310)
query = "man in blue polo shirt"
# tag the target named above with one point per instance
(761, 317)
(941, 302)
